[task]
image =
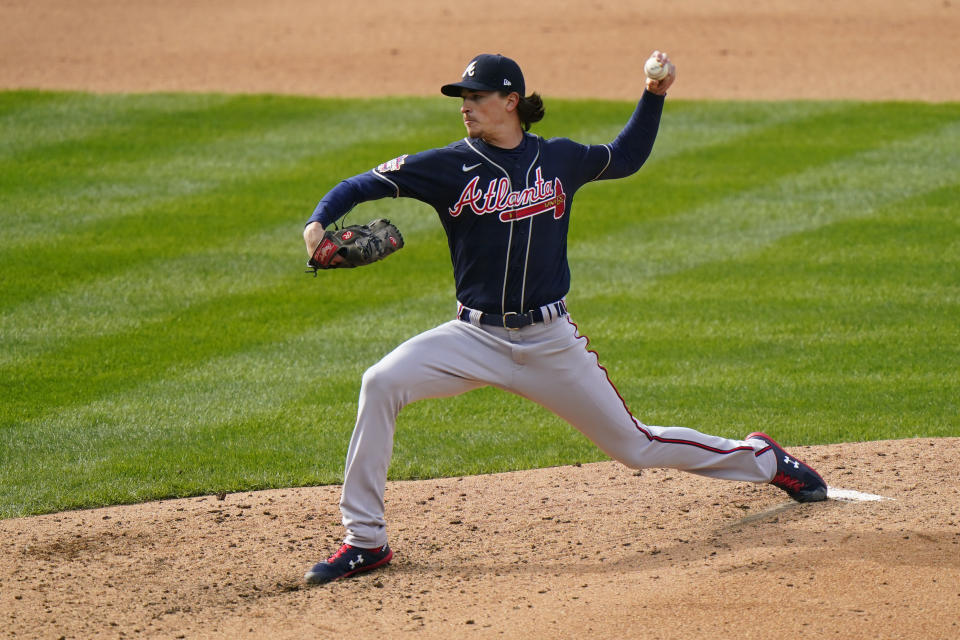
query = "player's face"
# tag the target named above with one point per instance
(485, 113)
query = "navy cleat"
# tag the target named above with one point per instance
(348, 561)
(799, 480)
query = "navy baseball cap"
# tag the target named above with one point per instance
(488, 72)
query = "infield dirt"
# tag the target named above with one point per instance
(592, 551)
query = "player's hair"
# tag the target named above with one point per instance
(530, 109)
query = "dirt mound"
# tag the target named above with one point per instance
(592, 551)
(884, 49)
(589, 551)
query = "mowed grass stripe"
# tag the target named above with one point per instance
(36, 121)
(226, 421)
(65, 315)
(680, 182)
(824, 326)
(220, 190)
(225, 133)
(89, 251)
(152, 289)
(199, 358)
(71, 369)
(685, 127)
(752, 219)
(133, 269)
(844, 331)
(127, 158)
(295, 395)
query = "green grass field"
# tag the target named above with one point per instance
(791, 266)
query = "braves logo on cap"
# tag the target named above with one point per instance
(487, 72)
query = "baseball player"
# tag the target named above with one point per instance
(504, 197)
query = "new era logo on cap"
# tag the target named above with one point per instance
(488, 72)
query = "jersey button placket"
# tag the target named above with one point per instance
(515, 271)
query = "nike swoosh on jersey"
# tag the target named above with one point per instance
(467, 169)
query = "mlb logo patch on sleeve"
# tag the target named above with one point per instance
(392, 165)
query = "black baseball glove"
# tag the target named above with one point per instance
(356, 246)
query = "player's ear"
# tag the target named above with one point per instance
(513, 99)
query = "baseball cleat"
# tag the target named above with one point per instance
(799, 480)
(348, 561)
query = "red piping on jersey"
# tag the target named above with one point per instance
(639, 425)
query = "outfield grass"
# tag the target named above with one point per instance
(791, 266)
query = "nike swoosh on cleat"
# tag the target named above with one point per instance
(467, 169)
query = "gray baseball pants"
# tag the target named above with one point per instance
(548, 363)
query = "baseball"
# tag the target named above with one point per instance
(654, 70)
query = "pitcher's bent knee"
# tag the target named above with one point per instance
(384, 381)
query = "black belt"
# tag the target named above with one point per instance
(514, 320)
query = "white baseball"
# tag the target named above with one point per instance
(654, 70)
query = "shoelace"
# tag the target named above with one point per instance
(342, 550)
(787, 482)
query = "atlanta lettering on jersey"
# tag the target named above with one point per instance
(512, 205)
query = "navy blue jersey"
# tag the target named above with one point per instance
(506, 212)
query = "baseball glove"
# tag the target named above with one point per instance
(357, 245)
